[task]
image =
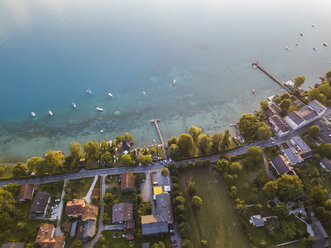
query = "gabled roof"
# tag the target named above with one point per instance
(293, 156)
(257, 220)
(327, 163)
(295, 117)
(317, 106)
(75, 207)
(86, 229)
(127, 181)
(279, 123)
(280, 164)
(40, 202)
(90, 212)
(45, 233)
(152, 224)
(163, 207)
(300, 143)
(122, 212)
(13, 245)
(26, 192)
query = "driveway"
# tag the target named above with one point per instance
(146, 188)
(87, 198)
(58, 230)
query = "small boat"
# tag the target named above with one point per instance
(314, 49)
(99, 109)
(287, 48)
(50, 113)
(110, 94)
(296, 44)
(144, 92)
(33, 114)
(102, 131)
(301, 34)
(174, 82)
(325, 44)
(253, 92)
(74, 104)
(313, 25)
(89, 91)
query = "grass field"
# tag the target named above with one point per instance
(216, 221)
(8, 170)
(55, 189)
(109, 241)
(79, 187)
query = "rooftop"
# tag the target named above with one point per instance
(122, 212)
(280, 164)
(152, 224)
(127, 181)
(26, 192)
(13, 245)
(295, 117)
(75, 207)
(40, 202)
(317, 106)
(300, 143)
(157, 190)
(45, 232)
(327, 163)
(279, 123)
(90, 212)
(293, 156)
(163, 207)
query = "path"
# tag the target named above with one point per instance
(101, 227)
(58, 230)
(87, 198)
(266, 167)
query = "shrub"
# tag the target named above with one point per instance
(184, 229)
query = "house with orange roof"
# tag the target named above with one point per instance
(75, 208)
(90, 212)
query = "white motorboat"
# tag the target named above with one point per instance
(253, 92)
(50, 113)
(102, 131)
(33, 114)
(325, 44)
(301, 34)
(74, 104)
(313, 25)
(89, 91)
(110, 94)
(287, 48)
(144, 92)
(314, 49)
(99, 109)
(174, 82)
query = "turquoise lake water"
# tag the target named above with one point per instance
(51, 51)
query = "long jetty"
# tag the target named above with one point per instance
(257, 65)
(160, 135)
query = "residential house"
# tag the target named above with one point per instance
(153, 224)
(306, 154)
(163, 207)
(40, 204)
(46, 239)
(326, 164)
(86, 229)
(90, 212)
(299, 144)
(127, 182)
(122, 213)
(257, 220)
(81, 161)
(279, 125)
(26, 192)
(126, 146)
(293, 156)
(13, 245)
(305, 115)
(281, 166)
(75, 208)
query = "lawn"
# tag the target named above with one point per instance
(109, 241)
(55, 189)
(216, 221)
(8, 170)
(78, 188)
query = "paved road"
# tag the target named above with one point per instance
(151, 167)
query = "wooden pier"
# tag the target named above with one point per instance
(160, 135)
(257, 65)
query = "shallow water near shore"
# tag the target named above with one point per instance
(52, 51)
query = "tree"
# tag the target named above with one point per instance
(248, 125)
(204, 243)
(322, 98)
(281, 210)
(226, 139)
(92, 149)
(194, 132)
(75, 150)
(235, 167)
(263, 131)
(159, 244)
(325, 150)
(314, 93)
(34, 163)
(19, 169)
(179, 200)
(264, 105)
(164, 172)
(204, 143)
(104, 146)
(12, 188)
(285, 104)
(285, 96)
(196, 202)
(6, 208)
(144, 159)
(184, 229)
(287, 187)
(187, 243)
(254, 157)
(77, 244)
(314, 131)
(216, 141)
(126, 160)
(298, 81)
(318, 195)
(53, 159)
(185, 144)
(128, 137)
(174, 151)
(222, 165)
(172, 140)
